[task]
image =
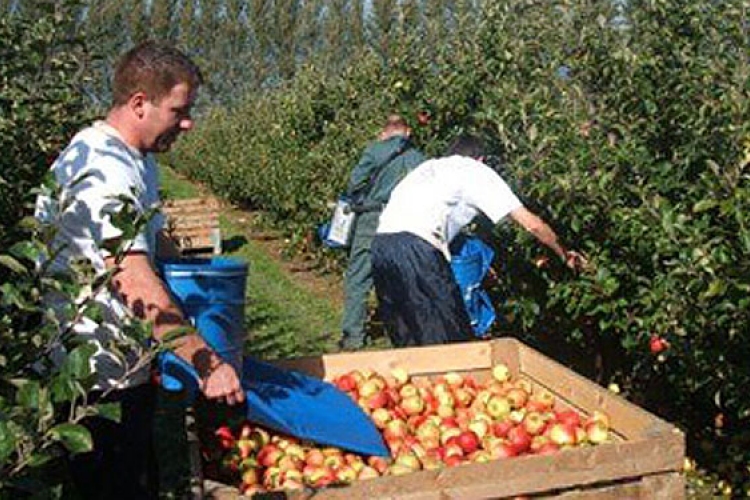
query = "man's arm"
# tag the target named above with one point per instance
(145, 294)
(542, 232)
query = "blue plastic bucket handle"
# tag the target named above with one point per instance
(211, 293)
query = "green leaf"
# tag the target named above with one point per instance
(76, 438)
(28, 394)
(7, 442)
(77, 362)
(704, 205)
(12, 264)
(717, 287)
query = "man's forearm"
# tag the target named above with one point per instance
(146, 295)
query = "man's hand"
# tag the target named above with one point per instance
(223, 384)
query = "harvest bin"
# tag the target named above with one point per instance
(644, 460)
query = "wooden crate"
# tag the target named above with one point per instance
(644, 460)
(193, 224)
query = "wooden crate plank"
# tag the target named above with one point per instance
(629, 420)
(435, 360)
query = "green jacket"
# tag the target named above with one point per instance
(390, 175)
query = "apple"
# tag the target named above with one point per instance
(346, 474)
(517, 397)
(561, 434)
(453, 379)
(412, 405)
(396, 428)
(657, 344)
(400, 375)
(378, 400)
(534, 423)
(597, 432)
(569, 417)
(463, 397)
(226, 438)
(479, 426)
(598, 416)
(544, 399)
(468, 441)
(245, 447)
(431, 461)
(453, 460)
(501, 429)
(427, 429)
(314, 457)
(501, 372)
(445, 411)
(381, 417)
(334, 462)
(380, 464)
(480, 457)
(369, 388)
(503, 450)
(272, 478)
(346, 382)
(269, 455)
(288, 462)
(519, 438)
(498, 407)
(367, 472)
(408, 390)
(251, 477)
(399, 470)
(408, 459)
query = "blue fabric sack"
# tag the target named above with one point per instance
(471, 259)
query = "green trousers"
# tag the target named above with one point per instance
(358, 282)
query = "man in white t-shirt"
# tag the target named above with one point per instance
(419, 297)
(154, 89)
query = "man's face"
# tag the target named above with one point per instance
(168, 118)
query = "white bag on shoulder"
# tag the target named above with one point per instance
(342, 224)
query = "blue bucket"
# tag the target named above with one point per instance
(211, 293)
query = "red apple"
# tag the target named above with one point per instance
(657, 344)
(345, 382)
(500, 429)
(519, 438)
(468, 441)
(568, 417)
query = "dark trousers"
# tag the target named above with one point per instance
(419, 298)
(122, 464)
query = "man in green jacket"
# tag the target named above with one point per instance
(382, 165)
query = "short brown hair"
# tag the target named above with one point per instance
(155, 69)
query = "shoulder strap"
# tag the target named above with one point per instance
(379, 169)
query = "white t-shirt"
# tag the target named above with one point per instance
(96, 167)
(443, 195)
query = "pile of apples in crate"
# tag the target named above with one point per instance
(426, 424)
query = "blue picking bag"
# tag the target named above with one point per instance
(470, 261)
(211, 292)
